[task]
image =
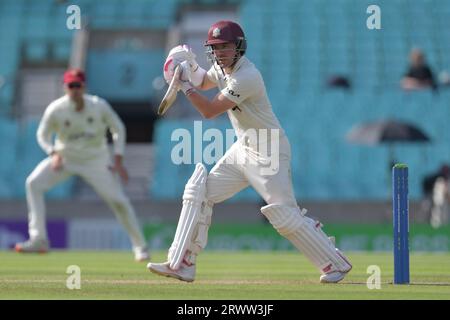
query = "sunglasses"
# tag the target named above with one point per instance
(75, 85)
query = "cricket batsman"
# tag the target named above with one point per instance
(243, 96)
(79, 122)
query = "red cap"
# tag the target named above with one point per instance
(74, 75)
(225, 31)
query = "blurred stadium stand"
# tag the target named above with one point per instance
(297, 45)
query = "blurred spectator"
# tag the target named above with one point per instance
(339, 81)
(419, 75)
(437, 196)
(444, 79)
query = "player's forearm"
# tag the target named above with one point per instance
(206, 84)
(45, 141)
(202, 104)
(119, 142)
(118, 159)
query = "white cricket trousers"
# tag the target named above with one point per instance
(228, 176)
(94, 172)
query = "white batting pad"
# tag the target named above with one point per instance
(193, 197)
(307, 236)
(200, 236)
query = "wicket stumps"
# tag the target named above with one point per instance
(400, 210)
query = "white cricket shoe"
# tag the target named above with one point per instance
(336, 276)
(141, 254)
(332, 277)
(184, 273)
(33, 246)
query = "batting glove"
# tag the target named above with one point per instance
(176, 56)
(184, 82)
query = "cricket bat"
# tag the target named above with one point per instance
(171, 94)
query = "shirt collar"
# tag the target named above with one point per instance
(73, 105)
(238, 64)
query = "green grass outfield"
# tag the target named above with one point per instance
(220, 275)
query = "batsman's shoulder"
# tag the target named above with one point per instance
(248, 71)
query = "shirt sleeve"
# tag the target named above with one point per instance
(116, 127)
(241, 87)
(47, 127)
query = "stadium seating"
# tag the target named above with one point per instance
(129, 73)
(115, 14)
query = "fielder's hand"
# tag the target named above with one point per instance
(56, 161)
(121, 171)
(119, 168)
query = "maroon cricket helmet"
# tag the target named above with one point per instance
(226, 31)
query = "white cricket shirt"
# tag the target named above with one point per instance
(245, 87)
(80, 135)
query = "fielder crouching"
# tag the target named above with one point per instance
(243, 96)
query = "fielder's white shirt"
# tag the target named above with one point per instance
(80, 135)
(245, 87)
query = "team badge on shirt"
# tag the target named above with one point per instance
(90, 120)
(67, 123)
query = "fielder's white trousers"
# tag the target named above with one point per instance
(94, 172)
(228, 177)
